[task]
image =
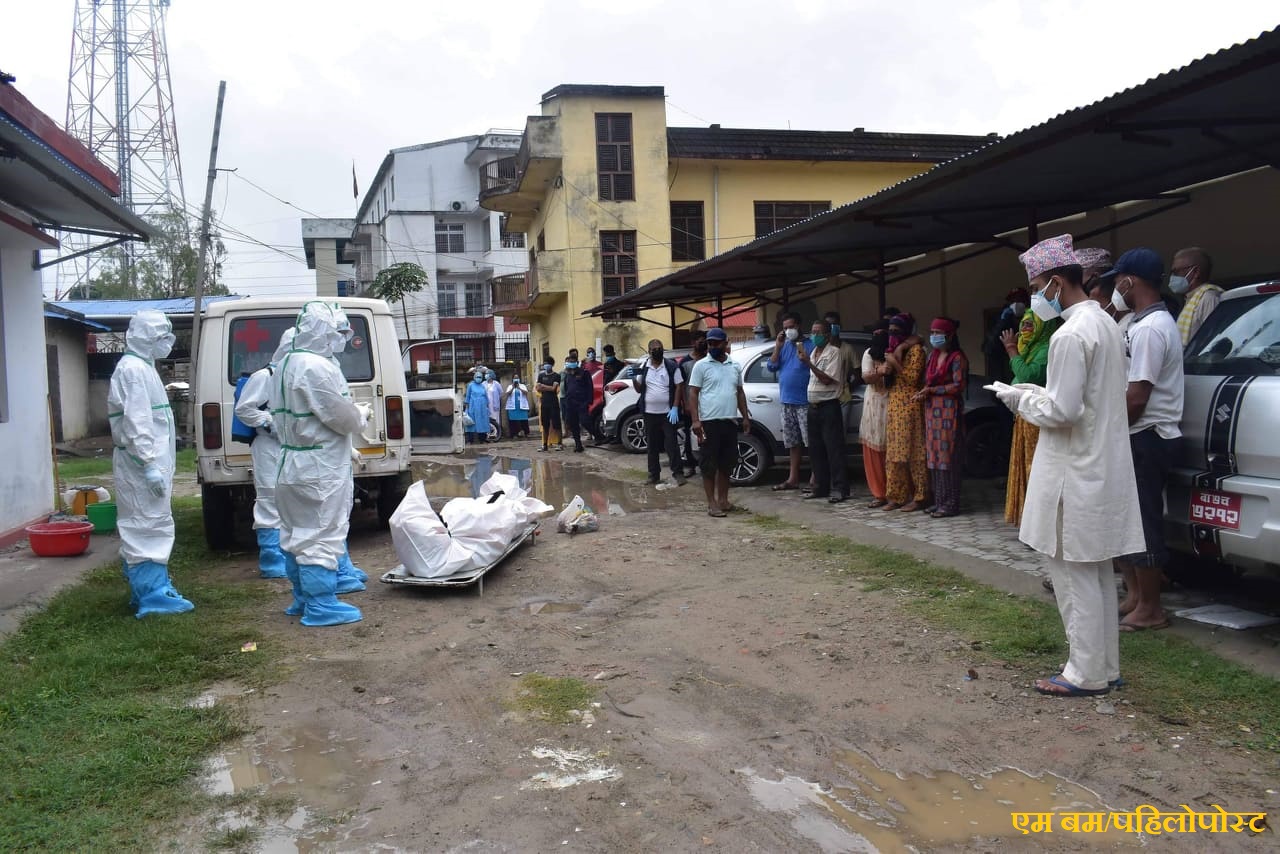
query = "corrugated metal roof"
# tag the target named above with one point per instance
(75, 317)
(857, 145)
(1215, 117)
(106, 308)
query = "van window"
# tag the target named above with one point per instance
(1241, 338)
(254, 340)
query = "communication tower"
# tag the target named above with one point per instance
(120, 105)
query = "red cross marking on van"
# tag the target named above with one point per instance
(252, 336)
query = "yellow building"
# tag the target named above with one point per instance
(611, 198)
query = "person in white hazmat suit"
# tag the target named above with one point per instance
(1082, 500)
(315, 418)
(143, 463)
(253, 409)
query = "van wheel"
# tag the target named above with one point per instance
(218, 511)
(753, 461)
(389, 498)
(632, 434)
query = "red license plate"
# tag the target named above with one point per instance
(1219, 509)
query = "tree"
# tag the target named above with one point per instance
(395, 282)
(164, 268)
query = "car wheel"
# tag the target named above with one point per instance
(495, 431)
(632, 434)
(390, 494)
(986, 449)
(218, 511)
(753, 461)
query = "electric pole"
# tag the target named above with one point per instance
(204, 238)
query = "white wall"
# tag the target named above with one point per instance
(26, 489)
(73, 378)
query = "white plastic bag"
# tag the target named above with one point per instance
(421, 540)
(569, 513)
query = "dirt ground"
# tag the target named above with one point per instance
(748, 701)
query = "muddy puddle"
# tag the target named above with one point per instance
(550, 479)
(267, 786)
(883, 811)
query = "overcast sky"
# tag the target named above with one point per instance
(313, 86)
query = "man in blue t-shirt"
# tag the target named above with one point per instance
(793, 384)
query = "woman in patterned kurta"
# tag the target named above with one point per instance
(943, 393)
(874, 415)
(1029, 359)
(906, 475)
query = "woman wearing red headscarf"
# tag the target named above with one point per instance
(945, 376)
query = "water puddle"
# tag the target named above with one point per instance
(554, 481)
(536, 608)
(316, 769)
(883, 811)
(572, 768)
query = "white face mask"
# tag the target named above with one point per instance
(1117, 299)
(1045, 309)
(1179, 284)
(793, 334)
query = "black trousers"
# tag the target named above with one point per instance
(576, 418)
(826, 448)
(686, 429)
(661, 433)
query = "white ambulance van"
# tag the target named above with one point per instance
(238, 337)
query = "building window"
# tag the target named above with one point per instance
(771, 216)
(511, 239)
(688, 236)
(477, 305)
(449, 237)
(618, 267)
(517, 351)
(447, 299)
(614, 167)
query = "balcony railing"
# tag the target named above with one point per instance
(499, 175)
(512, 292)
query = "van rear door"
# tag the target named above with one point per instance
(435, 414)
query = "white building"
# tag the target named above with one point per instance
(47, 180)
(422, 207)
(324, 242)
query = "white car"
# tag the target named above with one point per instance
(1222, 501)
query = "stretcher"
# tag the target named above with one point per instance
(467, 577)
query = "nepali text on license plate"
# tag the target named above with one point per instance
(1219, 509)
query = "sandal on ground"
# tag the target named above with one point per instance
(815, 495)
(879, 502)
(891, 505)
(1062, 688)
(941, 514)
(784, 487)
(911, 507)
(1155, 627)
(716, 512)
(1047, 584)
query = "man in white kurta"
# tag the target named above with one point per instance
(1082, 502)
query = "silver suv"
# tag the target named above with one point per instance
(1223, 498)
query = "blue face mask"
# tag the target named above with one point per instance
(546, 369)
(569, 366)
(937, 341)
(835, 330)
(1046, 309)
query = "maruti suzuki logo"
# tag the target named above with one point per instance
(1222, 413)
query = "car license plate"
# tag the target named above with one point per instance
(1219, 509)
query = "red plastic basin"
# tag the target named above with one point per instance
(59, 539)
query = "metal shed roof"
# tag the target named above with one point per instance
(1217, 116)
(115, 309)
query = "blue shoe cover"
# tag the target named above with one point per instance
(133, 594)
(322, 608)
(154, 591)
(270, 558)
(291, 570)
(347, 568)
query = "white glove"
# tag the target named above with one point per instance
(355, 454)
(155, 480)
(1009, 395)
(366, 412)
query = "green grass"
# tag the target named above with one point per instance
(552, 698)
(76, 468)
(1169, 677)
(97, 744)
